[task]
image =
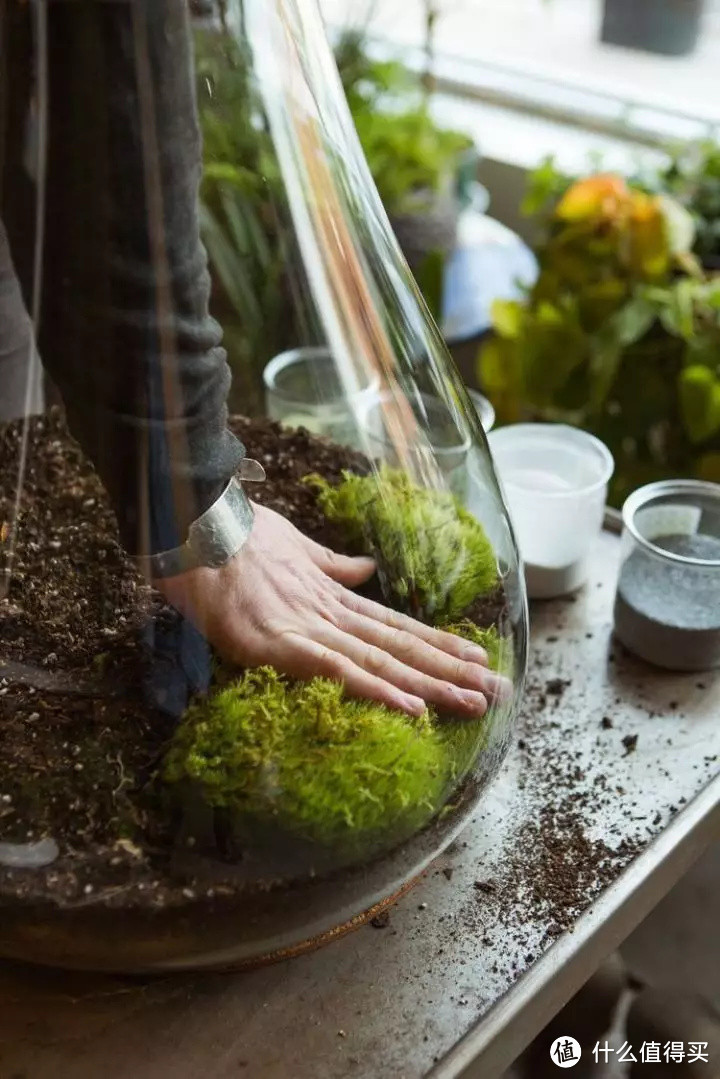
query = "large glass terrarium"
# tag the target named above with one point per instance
(236, 713)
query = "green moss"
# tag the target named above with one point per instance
(465, 740)
(352, 776)
(300, 756)
(499, 649)
(433, 556)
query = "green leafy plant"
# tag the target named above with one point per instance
(693, 178)
(240, 224)
(619, 334)
(433, 556)
(243, 204)
(411, 157)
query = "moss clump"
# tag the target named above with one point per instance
(433, 556)
(299, 756)
(351, 775)
(499, 649)
(464, 741)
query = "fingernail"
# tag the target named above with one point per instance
(498, 686)
(477, 676)
(476, 702)
(476, 654)
(414, 705)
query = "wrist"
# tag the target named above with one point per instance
(215, 537)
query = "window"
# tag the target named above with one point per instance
(546, 57)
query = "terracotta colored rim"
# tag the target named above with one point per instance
(313, 943)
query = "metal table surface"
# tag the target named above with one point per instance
(463, 976)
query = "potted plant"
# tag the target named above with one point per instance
(620, 333)
(693, 177)
(671, 27)
(417, 165)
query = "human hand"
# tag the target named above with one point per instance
(287, 601)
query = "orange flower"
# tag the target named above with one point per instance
(604, 195)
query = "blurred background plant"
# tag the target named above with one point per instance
(693, 177)
(240, 220)
(621, 332)
(422, 170)
(416, 164)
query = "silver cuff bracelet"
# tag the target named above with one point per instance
(216, 536)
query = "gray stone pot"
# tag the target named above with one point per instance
(670, 27)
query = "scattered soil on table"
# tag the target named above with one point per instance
(554, 868)
(559, 868)
(556, 687)
(630, 742)
(82, 640)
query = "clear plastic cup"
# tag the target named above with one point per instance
(484, 409)
(445, 438)
(303, 388)
(555, 479)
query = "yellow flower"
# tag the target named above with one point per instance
(604, 195)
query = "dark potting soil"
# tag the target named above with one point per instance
(80, 635)
(669, 613)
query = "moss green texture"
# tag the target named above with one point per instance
(350, 775)
(433, 556)
(499, 649)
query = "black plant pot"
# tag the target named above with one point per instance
(670, 27)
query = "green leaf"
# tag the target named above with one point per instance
(633, 321)
(230, 266)
(430, 277)
(623, 329)
(678, 315)
(224, 172)
(507, 317)
(606, 357)
(545, 185)
(699, 402)
(679, 225)
(552, 346)
(497, 367)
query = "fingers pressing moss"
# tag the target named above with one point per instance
(433, 556)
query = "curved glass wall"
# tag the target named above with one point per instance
(262, 631)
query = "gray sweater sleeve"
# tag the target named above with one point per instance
(125, 330)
